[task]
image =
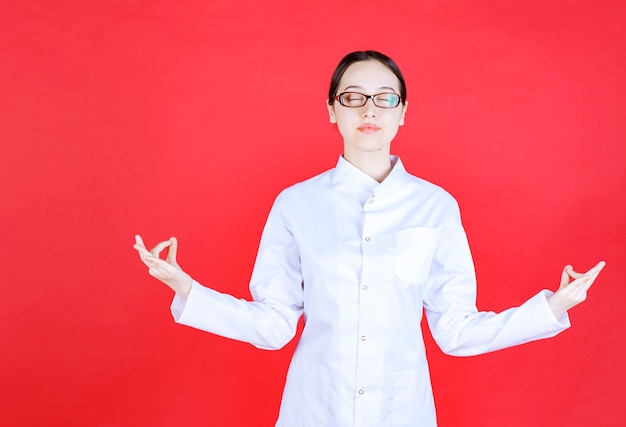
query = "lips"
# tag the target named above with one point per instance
(368, 128)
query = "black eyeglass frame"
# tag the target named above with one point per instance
(339, 98)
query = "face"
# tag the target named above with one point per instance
(368, 128)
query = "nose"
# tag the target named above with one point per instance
(369, 109)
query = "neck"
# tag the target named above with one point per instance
(376, 165)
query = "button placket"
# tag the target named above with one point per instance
(365, 350)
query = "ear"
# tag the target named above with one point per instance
(404, 107)
(331, 112)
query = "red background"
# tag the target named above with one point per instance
(187, 118)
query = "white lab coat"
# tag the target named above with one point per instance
(361, 260)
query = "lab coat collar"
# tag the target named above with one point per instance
(347, 171)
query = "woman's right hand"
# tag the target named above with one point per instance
(166, 270)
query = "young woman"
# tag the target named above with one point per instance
(360, 250)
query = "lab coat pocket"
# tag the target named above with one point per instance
(305, 397)
(414, 250)
(413, 399)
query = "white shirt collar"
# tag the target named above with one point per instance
(347, 171)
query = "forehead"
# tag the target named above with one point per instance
(369, 76)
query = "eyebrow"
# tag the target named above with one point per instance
(379, 88)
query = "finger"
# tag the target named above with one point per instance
(142, 251)
(139, 240)
(161, 270)
(592, 274)
(596, 269)
(565, 275)
(584, 283)
(573, 274)
(171, 253)
(159, 247)
(141, 248)
(586, 280)
(149, 259)
(146, 255)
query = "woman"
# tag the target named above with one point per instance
(360, 250)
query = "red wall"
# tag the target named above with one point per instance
(186, 118)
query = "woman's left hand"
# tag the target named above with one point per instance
(573, 288)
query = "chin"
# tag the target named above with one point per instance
(371, 148)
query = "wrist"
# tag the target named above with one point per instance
(557, 306)
(186, 287)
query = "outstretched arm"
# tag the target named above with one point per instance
(573, 288)
(460, 329)
(270, 320)
(166, 270)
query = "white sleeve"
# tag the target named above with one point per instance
(450, 305)
(270, 320)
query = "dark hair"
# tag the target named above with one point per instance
(366, 55)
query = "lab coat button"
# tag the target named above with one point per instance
(367, 239)
(365, 287)
(363, 338)
(361, 391)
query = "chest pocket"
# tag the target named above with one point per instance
(414, 251)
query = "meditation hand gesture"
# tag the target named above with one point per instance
(572, 293)
(166, 270)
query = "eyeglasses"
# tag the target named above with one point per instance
(381, 100)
